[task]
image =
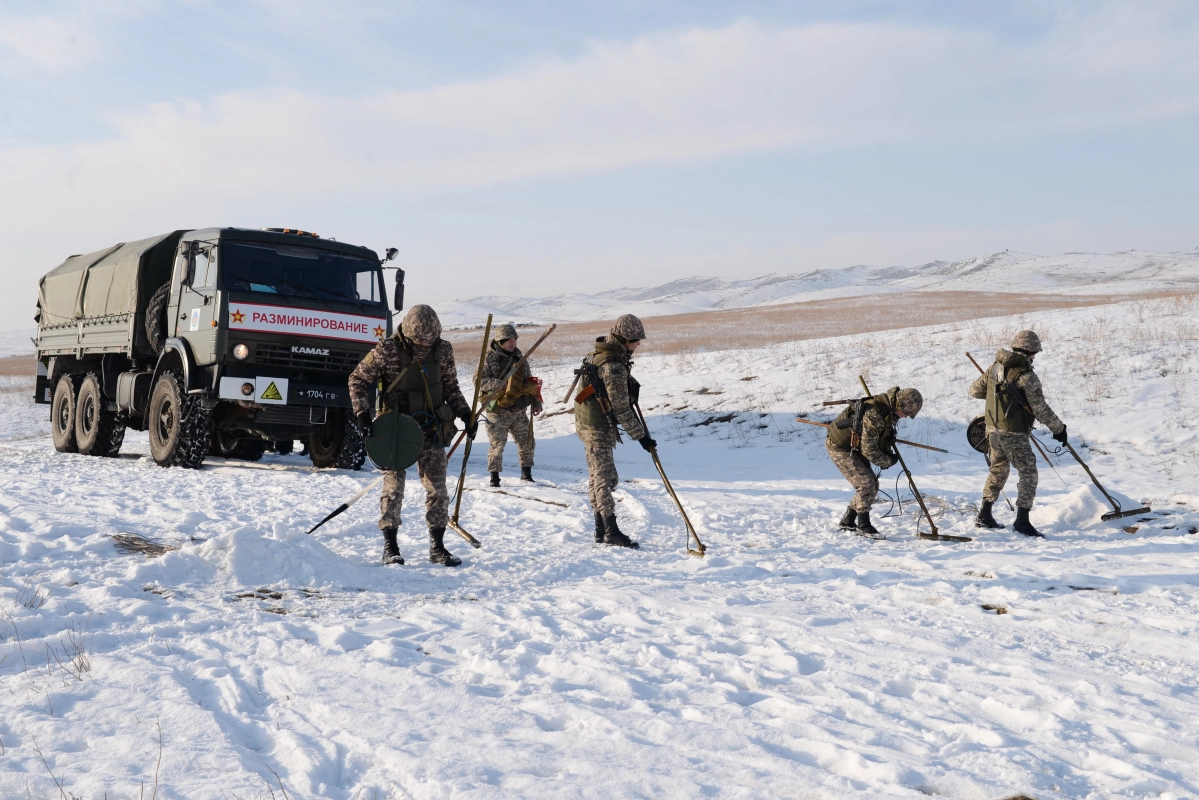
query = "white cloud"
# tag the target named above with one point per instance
(44, 44)
(697, 94)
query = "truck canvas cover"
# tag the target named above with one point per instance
(106, 282)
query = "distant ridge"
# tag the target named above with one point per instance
(1130, 271)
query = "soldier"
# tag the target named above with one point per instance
(1010, 418)
(612, 358)
(506, 414)
(419, 378)
(862, 435)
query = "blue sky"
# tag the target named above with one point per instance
(534, 148)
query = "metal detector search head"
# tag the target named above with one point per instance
(395, 441)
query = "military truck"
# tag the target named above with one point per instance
(215, 341)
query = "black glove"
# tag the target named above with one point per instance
(648, 443)
(1061, 436)
(365, 426)
(472, 428)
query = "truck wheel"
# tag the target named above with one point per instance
(227, 445)
(156, 317)
(353, 447)
(62, 413)
(179, 424)
(285, 447)
(98, 432)
(324, 444)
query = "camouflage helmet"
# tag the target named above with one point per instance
(504, 332)
(1027, 341)
(909, 401)
(421, 324)
(629, 328)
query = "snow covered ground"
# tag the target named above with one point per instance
(1132, 272)
(795, 660)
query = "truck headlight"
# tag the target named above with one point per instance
(241, 352)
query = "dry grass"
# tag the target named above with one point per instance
(792, 322)
(18, 367)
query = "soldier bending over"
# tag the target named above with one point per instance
(862, 435)
(506, 414)
(612, 358)
(1010, 417)
(427, 390)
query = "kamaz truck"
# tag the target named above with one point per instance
(215, 341)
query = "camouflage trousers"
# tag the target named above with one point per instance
(860, 475)
(431, 468)
(1008, 449)
(598, 444)
(501, 422)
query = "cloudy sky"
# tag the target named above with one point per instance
(539, 147)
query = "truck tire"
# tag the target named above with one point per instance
(353, 447)
(179, 424)
(226, 445)
(285, 447)
(324, 444)
(62, 413)
(98, 431)
(156, 317)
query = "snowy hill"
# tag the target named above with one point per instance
(795, 660)
(1131, 272)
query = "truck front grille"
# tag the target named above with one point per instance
(280, 355)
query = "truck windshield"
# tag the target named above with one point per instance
(304, 271)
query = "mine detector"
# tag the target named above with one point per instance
(216, 341)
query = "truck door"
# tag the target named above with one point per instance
(198, 302)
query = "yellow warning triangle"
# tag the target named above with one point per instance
(272, 393)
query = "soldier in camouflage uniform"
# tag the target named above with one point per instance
(862, 435)
(417, 374)
(612, 357)
(1009, 424)
(506, 414)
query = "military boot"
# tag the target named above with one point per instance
(612, 534)
(864, 527)
(985, 518)
(495, 480)
(526, 473)
(1022, 525)
(391, 550)
(437, 552)
(849, 522)
(599, 528)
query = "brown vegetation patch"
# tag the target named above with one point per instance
(18, 366)
(815, 319)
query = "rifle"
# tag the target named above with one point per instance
(515, 367)
(919, 498)
(700, 549)
(597, 389)
(898, 441)
(474, 408)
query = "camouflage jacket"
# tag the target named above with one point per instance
(383, 363)
(496, 366)
(1027, 382)
(878, 433)
(614, 372)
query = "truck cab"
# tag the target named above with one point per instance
(248, 342)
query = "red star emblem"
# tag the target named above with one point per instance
(238, 317)
(379, 331)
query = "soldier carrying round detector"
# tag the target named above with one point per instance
(1015, 401)
(419, 377)
(864, 434)
(606, 401)
(506, 414)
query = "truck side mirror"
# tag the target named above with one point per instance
(398, 301)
